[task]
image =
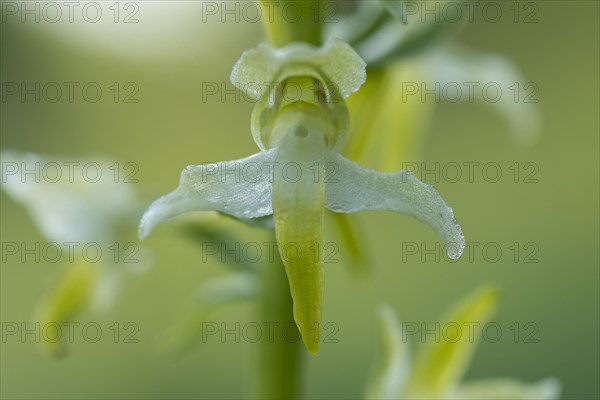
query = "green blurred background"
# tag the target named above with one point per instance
(168, 54)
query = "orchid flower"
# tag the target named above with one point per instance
(299, 123)
(436, 372)
(70, 209)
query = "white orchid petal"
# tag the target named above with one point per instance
(509, 389)
(352, 188)
(508, 92)
(260, 67)
(69, 199)
(241, 188)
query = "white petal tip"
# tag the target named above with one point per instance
(454, 250)
(145, 227)
(157, 212)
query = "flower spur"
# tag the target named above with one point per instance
(299, 123)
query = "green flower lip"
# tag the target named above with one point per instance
(304, 135)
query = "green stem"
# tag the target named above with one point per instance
(280, 353)
(288, 21)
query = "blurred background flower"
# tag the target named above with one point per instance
(78, 205)
(447, 348)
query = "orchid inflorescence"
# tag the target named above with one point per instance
(305, 131)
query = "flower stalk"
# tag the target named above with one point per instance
(288, 21)
(280, 356)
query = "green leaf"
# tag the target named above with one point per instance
(392, 366)
(210, 298)
(441, 365)
(397, 8)
(222, 232)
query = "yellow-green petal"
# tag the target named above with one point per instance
(69, 297)
(388, 125)
(441, 365)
